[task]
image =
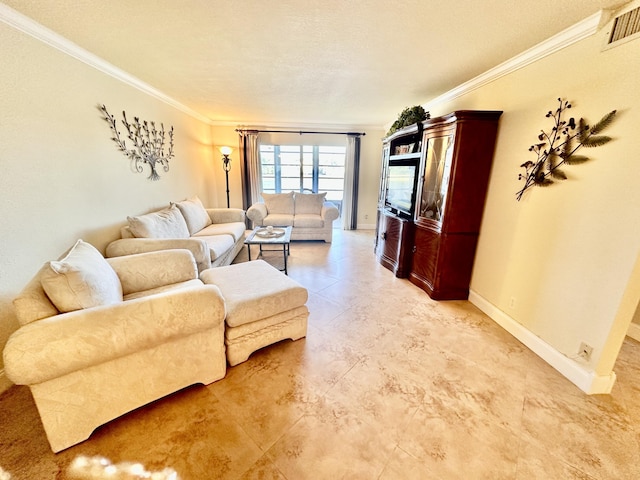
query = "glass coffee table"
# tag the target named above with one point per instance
(265, 236)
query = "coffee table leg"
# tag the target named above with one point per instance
(249, 251)
(285, 254)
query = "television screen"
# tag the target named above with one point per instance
(401, 181)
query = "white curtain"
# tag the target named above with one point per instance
(350, 195)
(251, 168)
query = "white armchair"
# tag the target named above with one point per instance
(112, 335)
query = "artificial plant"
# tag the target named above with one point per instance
(559, 147)
(409, 116)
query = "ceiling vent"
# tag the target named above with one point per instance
(624, 27)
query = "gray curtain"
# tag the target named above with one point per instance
(351, 174)
(250, 168)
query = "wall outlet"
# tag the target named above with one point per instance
(512, 303)
(366, 216)
(585, 351)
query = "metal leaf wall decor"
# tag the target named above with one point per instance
(558, 147)
(148, 143)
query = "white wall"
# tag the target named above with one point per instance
(565, 253)
(61, 177)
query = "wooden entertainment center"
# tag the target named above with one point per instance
(433, 187)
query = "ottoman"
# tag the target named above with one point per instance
(263, 306)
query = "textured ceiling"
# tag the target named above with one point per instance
(306, 62)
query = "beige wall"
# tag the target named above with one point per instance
(61, 177)
(565, 254)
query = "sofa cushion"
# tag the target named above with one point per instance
(166, 223)
(163, 288)
(279, 202)
(307, 220)
(278, 220)
(218, 244)
(309, 202)
(194, 214)
(145, 271)
(235, 229)
(81, 279)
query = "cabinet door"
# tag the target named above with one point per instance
(424, 262)
(437, 170)
(394, 241)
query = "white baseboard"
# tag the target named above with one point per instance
(5, 383)
(366, 226)
(634, 331)
(586, 380)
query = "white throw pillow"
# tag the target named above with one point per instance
(279, 202)
(194, 214)
(167, 223)
(309, 202)
(81, 279)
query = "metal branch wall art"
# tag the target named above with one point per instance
(559, 146)
(148, 143)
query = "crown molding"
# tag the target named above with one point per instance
(29, 26)
(296, 127)
(567, 37)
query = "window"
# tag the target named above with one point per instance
(303, 168)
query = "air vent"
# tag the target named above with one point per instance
(624, 26)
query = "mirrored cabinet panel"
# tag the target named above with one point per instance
(433, 193)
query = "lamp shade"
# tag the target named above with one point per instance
(226, 150)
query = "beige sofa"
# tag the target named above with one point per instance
(309, 214)
(100, 337)
(214, 236)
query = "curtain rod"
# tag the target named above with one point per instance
(244, 130)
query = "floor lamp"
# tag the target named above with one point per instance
(226, 165)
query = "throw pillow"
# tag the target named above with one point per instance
(194, 214)
(81, 279)
(279, 203)
(167, 223)
(309, 202)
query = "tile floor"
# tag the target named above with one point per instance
(388, 384)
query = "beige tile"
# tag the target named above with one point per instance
(451, 448)
(332, 444)
(536, 463)
(403, 466)
(380, 395)
(266, 395)
(592, 433)
(263, 469)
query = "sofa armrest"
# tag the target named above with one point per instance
(77, 340)
(130, 246)
(145, 271)
(226, 215)
(257, 213)
(329, 212)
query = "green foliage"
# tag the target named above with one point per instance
(559, 145)
(409, 116)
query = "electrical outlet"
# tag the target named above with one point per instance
(585, 351)
(366, 216)
(512, 303)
